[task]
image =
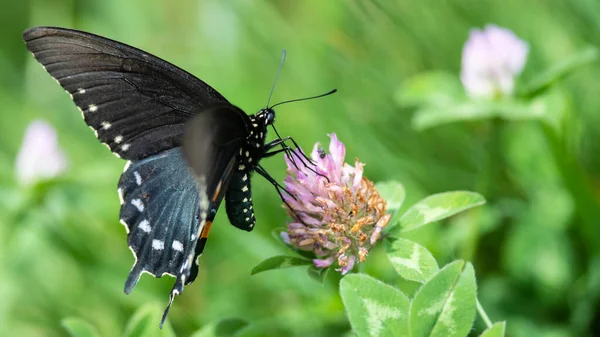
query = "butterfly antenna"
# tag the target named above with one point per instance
(305, 98)
(276, 77)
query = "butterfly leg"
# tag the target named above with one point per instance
(284, 148)
(260, 170)
(288, 151)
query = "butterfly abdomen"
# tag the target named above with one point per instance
(238, 201)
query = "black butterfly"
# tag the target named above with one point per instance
(187, 147)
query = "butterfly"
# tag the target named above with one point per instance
(187, 148)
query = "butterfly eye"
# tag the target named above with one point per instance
(270, 117)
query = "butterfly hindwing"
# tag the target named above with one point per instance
(161, 211)
(136, 103)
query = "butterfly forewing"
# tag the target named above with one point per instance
(212, 140)
(136, 103)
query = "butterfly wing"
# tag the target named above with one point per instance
(160, 210)
(168, 203)
(135, 102)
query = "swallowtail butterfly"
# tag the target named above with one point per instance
(186, 146)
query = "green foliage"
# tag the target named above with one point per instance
(279, 262)
(445, 305)
(78, 327)
(144, 323)
(394, 194)
(437, 207)
(411, 260)
(225, 328)
(546, 79)
(318, 274)
(374, 308)
(497, 330)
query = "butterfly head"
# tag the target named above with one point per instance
(267, 116)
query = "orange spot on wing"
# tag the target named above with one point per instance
(217, 191)
(206, 229)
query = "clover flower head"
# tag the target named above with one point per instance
(491, 59)
(40, 157)
(336, 212)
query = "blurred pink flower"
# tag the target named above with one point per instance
(40, 156)
(338, 214)
(491, 59)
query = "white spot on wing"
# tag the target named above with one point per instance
(145, 226)
(92, 108)
(120, 191)
(118, 139)
(245, 189)
(158, 244)
(245, 177)
(106, 125)
(125, 147)
(127, 165)
(138, 178)
(126, 226)
(241, 167)
(178, 246)
(245, 200)
(138, 204)
(81, 91)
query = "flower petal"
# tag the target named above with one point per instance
(324, 263)
(40, 156)
(491, 59)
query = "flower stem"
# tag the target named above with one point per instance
(483, 315)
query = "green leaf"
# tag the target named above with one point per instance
(318, 274)
(411, 260)
(445, 305)
(394, 194)
(228, 327)
(279, 262)
(145, 323)
(78, 327)
(497, 330)
(374, 308)
(434, 115)
(438, 88)
(546, 79)
(437, 207)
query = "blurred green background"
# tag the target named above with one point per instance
(534, 246)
